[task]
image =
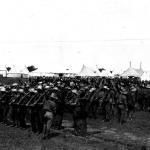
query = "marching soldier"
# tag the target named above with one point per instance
(14, 107)
(122, 105)
(3, 100)
(22, 110)
(37, 111)
(60, 105)
(80, 114)
(49, 108)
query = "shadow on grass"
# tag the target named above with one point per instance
(51, 135)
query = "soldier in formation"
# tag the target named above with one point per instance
(43, 102)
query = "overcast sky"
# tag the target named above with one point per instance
(69, 33)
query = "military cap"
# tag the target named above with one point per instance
(35, 91)
(20, 90)
(2, 89)
(92, 89)
(14, 84)
(39, 87)
(72, 84)
(47, 87)
(75, 91)
(54, 96)
(31, 90)
(14, 90)
(55, 88)
(106, 87)
(123, 90)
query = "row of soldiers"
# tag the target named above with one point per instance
(43, 102)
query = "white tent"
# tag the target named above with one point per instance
(15, 72)
(3, 71)
(40, 74)
(86, 71)
(146, 76)
(130, 72)
(106, 73)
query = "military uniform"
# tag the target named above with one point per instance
(49, 108)
(122, 108)
(80, 115)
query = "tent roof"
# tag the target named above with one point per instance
(86, 71)
(106, 73)
(146, 76)
(22, 70)
(130, 72)
(140, 71)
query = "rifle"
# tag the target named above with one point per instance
(39, 98)
(12, 100)
(23, 98)
(32, 99)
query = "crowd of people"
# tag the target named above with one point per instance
(41, 102)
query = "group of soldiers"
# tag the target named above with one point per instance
(41, 103)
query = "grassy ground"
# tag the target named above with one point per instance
(12, 138)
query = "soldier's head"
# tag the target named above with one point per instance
(2, 89)
(40, 89)
(14, 91)
(54, 97)
(74, 91)
(21, 91)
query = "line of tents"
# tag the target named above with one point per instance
(85, 71)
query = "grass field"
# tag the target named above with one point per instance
(132, 135)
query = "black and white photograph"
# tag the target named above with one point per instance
(74, 74)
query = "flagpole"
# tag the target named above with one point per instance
(6, 70)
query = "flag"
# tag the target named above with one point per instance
(31, 68)
(8, 69)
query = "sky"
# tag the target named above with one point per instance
(56, 34)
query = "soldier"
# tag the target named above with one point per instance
(22, 110)
(14, 107)
(6, 97)
(60, 105)
(33, 118)
(2, 103)
(122, 105)
(38, 109)
(80, 114)
(105, 101)
(49, 108)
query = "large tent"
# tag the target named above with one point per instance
(15, 72)
(106, 73)
(130, 72)
(86, 71)
(140, 70)
(146, 76)
(3, 71)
